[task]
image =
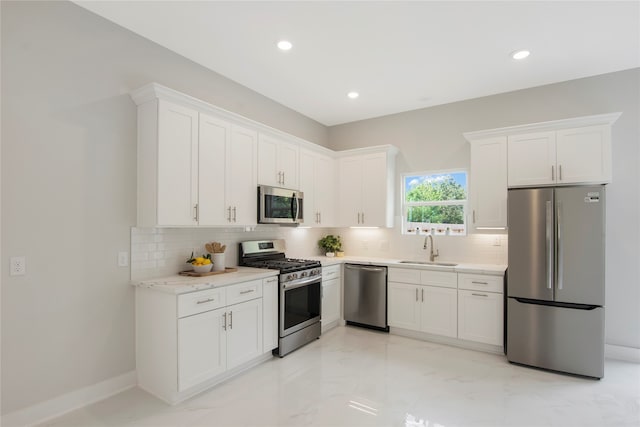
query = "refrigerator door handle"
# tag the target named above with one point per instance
(549, 238)
(560, 247)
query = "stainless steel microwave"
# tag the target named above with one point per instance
(279, 205)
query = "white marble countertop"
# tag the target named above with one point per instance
(491, 269)
(177, 284)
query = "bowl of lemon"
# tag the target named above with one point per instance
(202, 265)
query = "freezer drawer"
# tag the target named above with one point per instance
(562, 339)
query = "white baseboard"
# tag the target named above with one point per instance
(618, 352)
(60, 405)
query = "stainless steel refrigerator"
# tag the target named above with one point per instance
(555, 288)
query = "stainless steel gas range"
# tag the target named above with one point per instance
(300, 287)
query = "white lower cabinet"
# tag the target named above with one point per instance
(269, 314)
(186, 343)
(462, 306)
(480, 317)
(416, 306)
(202, 347)
(330, 296)
(481, 308)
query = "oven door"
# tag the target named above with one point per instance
(279, 205)
(300, 304)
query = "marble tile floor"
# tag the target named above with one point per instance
(357, 377)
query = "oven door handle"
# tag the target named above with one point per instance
(299, 284)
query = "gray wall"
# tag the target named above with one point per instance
(68, 188)
(68, 182)
(431, 139)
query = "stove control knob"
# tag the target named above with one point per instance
(303, 274)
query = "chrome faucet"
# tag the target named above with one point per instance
(432, 255)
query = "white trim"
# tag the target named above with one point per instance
(599, 119)
(152, 91)
(618, 352)
(60, 405)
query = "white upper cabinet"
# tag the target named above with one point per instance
(532, 159)
(366, 187)
(583, 154)
(194, 168)
(578, 154)
(241, 182)
(176, 147)
(317, 182)
(488, 182)
(278, 162)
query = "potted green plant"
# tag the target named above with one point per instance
(330, 244)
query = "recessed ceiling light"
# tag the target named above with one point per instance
(353, 95)
(284, 45)
(520, 54)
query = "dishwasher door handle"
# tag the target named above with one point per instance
(365, 268)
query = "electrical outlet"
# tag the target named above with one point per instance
(496, 241)
(18, 266)
(123, 259)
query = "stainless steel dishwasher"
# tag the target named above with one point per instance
(365, 296)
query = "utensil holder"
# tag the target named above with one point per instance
(218, 262)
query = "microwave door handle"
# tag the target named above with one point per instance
(294, 200)
(298, 213)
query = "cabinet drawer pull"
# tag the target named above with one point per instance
(479, 283)
(272, 280)
(205, 300)
(480, 295)
(248, 291)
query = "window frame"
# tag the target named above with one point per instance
(404, 205)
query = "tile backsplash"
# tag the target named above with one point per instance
(157, 252)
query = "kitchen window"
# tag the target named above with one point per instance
(434, 203)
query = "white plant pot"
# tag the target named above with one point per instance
(218, 262)
(330, 254)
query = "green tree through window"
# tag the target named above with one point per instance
(435, 201)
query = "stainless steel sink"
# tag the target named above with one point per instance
(442, 264)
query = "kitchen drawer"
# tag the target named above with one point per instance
(404, 275)
(445, 279)
(331, 272)
(244, 292)
(201, 301)
(480, 282)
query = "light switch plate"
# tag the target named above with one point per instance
(123, 259)
(18, 266)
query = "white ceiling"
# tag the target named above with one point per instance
(399, 56)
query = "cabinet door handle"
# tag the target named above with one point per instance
(234, 214)
(229, 214)
(224, 325)
(474, 216)
(416, 294)
(195, 212)
(283, 178)
(231, 320)
(363, 217)
(480, 295)
(204, 301)
(319, 217)
(560, 172)
(248, 291)
(423, 295)
(479, 283)
(553, 175)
